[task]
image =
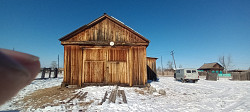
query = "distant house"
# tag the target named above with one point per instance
(211, 68)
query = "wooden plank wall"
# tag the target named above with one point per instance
(73, 65)
(105, 65)
(93, 71)
(117, 73)
(138, 68)
(94, 65)
(107, 30)
(151, 62)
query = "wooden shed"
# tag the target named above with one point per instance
(105, 51)
(151, 68)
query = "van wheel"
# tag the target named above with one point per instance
(183, 81)
(194, 81)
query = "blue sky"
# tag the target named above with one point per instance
(199, 31)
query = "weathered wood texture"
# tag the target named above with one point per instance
(105, 65)
(106, 30)
(73, 67)
(88, 57)
(241, 75)
(212, 76)
(151, 62)
(138, 65)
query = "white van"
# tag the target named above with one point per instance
(186, 75)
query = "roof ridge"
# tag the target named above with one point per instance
(105, 15)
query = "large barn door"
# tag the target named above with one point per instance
(94, 65)
(116, 71)
(93, 72)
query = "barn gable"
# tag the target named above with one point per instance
(102, 31)
(90, 59)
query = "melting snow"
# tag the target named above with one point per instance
(222, 95)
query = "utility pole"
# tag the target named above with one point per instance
(172, 53)
(58, 62)
(162, 73)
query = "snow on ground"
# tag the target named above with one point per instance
(222, 95)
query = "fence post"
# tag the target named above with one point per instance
(218, 76)
(49, 72)
(55, 72)
(43, 73)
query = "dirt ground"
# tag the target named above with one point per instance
(53, 96)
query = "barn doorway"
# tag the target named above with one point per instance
(94, 71)
(116, 72)
(93, 65)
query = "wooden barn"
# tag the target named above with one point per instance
(105, 51)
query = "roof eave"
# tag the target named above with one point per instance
(95, 22)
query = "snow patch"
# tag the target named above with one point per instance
(222, 95)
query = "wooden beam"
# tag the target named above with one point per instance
(99, 43)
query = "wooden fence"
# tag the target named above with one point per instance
(165, 73)
(212, 76)
(45, 70)
(241, 76)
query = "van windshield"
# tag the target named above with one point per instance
(178, 71)
(193, 71)
(188, 71)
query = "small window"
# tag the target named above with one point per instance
(188, 71)
(178, 71)
(193, 71)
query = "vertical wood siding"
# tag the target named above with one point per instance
(107, 30)
(73, 65)
(151, 62)
(94, 65)
(105, 65)
(93, 72)
(138, 65)
(117, 73)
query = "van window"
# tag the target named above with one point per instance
(188, 71)
(193, 71)
(178, 71)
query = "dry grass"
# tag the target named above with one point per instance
(140, 91)
(53, 96)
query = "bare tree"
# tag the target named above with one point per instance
(53, 64)
(170, 65)
(159, 70)
(226, 63)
